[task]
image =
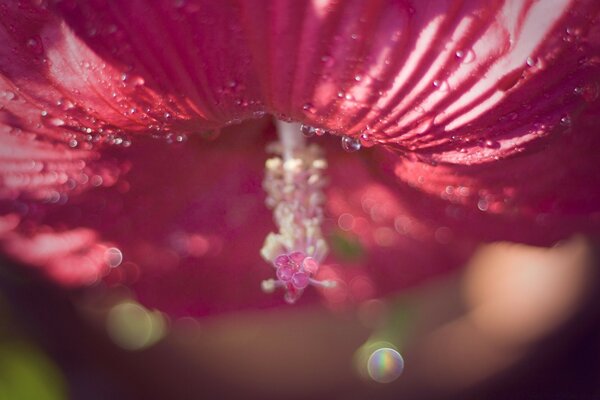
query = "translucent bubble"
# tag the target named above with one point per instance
(385, 365)
(350, 144)
(113, 257)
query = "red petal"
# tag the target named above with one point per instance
(458, 84)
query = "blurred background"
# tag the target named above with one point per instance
(516, 322)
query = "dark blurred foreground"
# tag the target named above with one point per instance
(517, 323)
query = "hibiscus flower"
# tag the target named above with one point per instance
(133, 142)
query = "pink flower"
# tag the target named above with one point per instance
(132, 137)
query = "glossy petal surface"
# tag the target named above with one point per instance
(484, 113)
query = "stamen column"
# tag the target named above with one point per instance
(294, 184)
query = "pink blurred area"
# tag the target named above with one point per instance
(517, 322)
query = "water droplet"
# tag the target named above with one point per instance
(366, 139)
(35, 45)
(181, 138)
(138, 81)
(309, 107)
(7, 94)
(565, 120)
(385, 365)
(56, 122)
(357, 78)
(442, 86)
(73, 143)
(531, 62)
(350, 144)
(491, 144)
(113, 257)
(465, 57)
(307, 131)
(483, 205)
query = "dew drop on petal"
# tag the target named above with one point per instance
(307, 131)
(308, 107)
(6, 94)
(442, 86)
(366, 139)
(35, 45)
(56, 122)
(385, 365)
(320, 132)
(350, 144)
(465, 56)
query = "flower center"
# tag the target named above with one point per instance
(294, 184)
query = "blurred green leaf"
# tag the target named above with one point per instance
(27, 374)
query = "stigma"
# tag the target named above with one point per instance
(294, 182)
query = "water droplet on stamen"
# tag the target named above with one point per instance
(350, 144)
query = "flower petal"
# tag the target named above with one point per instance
(461, 93)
